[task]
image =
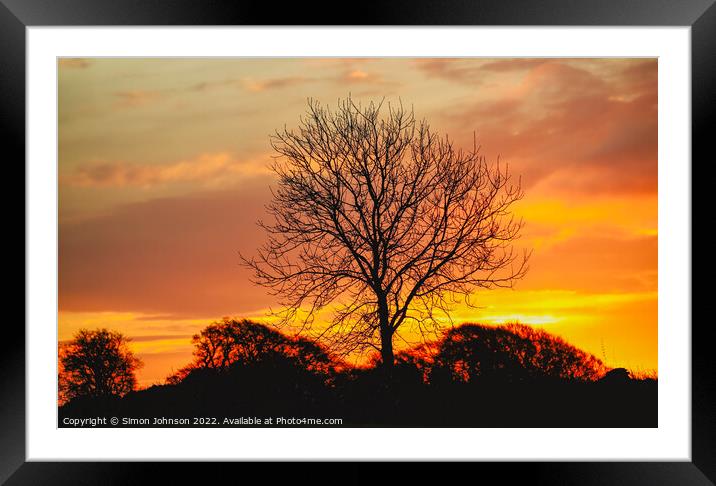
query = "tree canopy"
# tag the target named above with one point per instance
(514, 352)
(232, 343)
(97, 364)
(384, 220)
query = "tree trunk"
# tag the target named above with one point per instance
(386, 347)
(386, 334)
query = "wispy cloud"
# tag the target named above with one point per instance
(360, 76)
(73, 63)
(130, 99)
(473, 71)
(258, 85)
(208, 85)
(211, 169)
(365, 78)
(159, 337)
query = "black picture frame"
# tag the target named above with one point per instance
(700, 15)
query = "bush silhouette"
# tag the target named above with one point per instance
(510, 353)
(230, 344)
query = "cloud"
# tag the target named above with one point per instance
(336, 61)
(507, 65)
(552, 220)
(596, 263)
(449, 69)
(176, 256)
(352, 76)
(473, 71)
(160, 337)
(135, 98)
(73, 63)
(251, 84)
(356, 75)
(209, 169)
(207, 85)
(260, 85)
(571, 128)
(362, 83)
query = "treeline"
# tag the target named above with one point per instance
(466, 354)
(478, 376)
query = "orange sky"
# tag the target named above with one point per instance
(163, 173)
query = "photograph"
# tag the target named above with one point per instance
(352, 242)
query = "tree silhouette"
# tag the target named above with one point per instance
(97, 364)
(383, 218)
(556, 357)
(232, 343)
(510, 353)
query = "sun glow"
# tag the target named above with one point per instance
(521, 318)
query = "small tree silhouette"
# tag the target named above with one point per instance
(232, 343)
(97, 363)
(385, 219)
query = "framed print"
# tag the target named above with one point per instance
(454, 233)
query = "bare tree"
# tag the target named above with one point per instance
(383, 218)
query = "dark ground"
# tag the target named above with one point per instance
(362, 400)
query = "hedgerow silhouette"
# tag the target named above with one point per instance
(475, 375)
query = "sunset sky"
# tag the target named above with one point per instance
(163, 174)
